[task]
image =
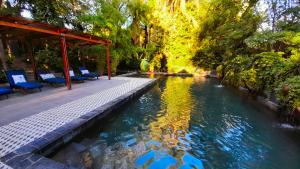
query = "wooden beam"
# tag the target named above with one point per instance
(86, 39)
(108, 62)
(65, 60)
(26, 27)
(15, 25)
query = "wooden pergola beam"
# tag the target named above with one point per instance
(30, 28)
(108, 61)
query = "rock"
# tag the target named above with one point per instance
(71, 155)
(123, 164)
(86, 142)
(79, 147)
(98, 148)
(139, 149)
(131, 142)
(87, 159)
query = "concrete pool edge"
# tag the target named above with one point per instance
(32, 155)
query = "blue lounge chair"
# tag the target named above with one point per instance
(85, 73)
(5, 91)
(17, 79)
(50, 78)
(75, 77)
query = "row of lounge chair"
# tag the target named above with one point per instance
(17, 79)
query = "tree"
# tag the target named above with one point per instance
(222, 34)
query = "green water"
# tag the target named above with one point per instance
(187, 123)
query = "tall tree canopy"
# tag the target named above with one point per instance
(250, 43)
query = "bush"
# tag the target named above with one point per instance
(292, 96)
(268, 66)
(144, 65)
(220, 71)
(233, 69)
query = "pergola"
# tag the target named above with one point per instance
(19, 28)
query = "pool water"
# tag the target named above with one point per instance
(187, 123)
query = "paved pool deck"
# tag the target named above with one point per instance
(21, 106)
(29, 123)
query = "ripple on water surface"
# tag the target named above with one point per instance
(185, 123)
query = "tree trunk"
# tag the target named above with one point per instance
(2, 55)
(146, 37)
(32, 58)
(9, 50)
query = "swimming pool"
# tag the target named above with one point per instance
(186, 123)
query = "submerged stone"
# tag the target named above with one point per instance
(131, 142)
(79, 147)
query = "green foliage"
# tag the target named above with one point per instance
(255, 49)
(178, 23)
(220, 71)
(291, 98)
(239, 72)
(269, 66)
(260, 60)
(57, 13)
(94, 58)
(111, 20)
(2, 77)
(248, 79)
(144, 66)
(266, 41)
(222, 34)
(48, 59)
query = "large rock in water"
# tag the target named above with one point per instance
(72, 155)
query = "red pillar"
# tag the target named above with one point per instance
(63, 46)
(108, 61)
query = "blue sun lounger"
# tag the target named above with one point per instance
(76, 78)
(5, 91)
(85, 73)
(17, 79)
(50, 78)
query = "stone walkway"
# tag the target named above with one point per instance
(20, 106)
(3, 166)
(52, 115)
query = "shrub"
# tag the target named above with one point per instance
(292, 96)
(144, 65)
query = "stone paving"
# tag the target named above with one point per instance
(3, 166)
(20, 106)
(21, 132)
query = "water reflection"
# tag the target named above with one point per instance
(172, 120)
(184, 123)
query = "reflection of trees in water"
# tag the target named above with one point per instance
(143, 141)
(176, 105)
